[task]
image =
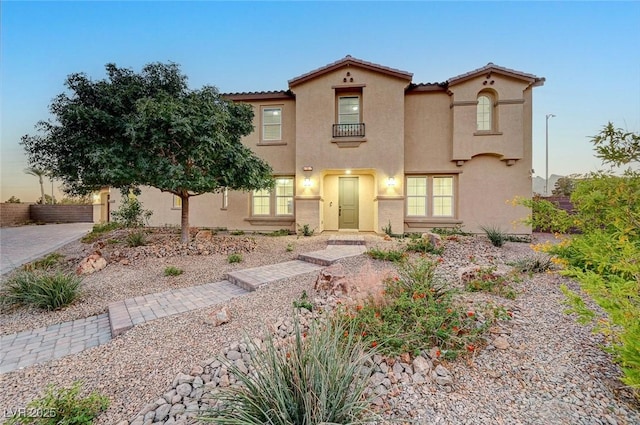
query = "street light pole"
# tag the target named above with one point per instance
(546, 163)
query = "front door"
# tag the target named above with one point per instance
(348, 203)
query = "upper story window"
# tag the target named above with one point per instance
(271, 123)
(484, 116)
(349, 118)
(430, 196)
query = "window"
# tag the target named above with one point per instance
(225, 198)
(272, 124)
(484, 113)
(277, 202)
(442, 197)
(177, 201)
(348, 110)
(430, 196)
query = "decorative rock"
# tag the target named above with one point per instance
(184, 389)
(234, 355)
(204, 235)
(162, 412)
(218, 317)
(177, 409)
(422, 365)
(501, 343)
(196, 370)
(442, 371)
(332, 280)
(433, 238)
(91, 264)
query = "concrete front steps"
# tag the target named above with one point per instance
(338, 247)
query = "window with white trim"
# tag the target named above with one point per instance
(278, 202)
(484, 113)
(348, 110)
(430, 196)
(271, 123)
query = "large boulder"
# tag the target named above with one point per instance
(332, 280)
(91, 264)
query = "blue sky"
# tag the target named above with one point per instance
(587, 51)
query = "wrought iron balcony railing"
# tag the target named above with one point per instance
(348, 130)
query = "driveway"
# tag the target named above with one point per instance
(20, 245)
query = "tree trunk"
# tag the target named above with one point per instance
(184, 238)
(42, 190)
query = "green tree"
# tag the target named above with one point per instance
(564, 186)
(13, 200)
(39, 173)
(617, 147)
(147, 129)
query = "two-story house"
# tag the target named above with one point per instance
(358, 146)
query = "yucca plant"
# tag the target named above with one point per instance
(495, 235)
(315, 379)
(136, 239)
(41, 289)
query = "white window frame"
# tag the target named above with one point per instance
(342, 115)
(428, 198)
(266, 124)
(484, 113)
(274, 198)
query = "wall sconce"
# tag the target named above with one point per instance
(391, 182)
(96, 198)
(307, 168)
(306, 182)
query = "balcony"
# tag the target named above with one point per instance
(348, 130)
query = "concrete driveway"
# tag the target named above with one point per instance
(20, 245)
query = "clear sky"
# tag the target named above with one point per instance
(589, 53)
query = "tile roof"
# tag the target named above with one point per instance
(346, 61)
(260, 95)
(491, 67)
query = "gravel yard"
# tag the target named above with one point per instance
(553, 371)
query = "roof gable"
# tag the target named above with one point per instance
(350, 61)
(492, 68)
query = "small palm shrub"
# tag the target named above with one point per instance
(234, 258)
(306, 230)
(173, 271)
(42, 289)
(386, 255)
(136, 239)
(533, 264)
(495, 235)
(99, 230)
(62, 406)
(314, 379)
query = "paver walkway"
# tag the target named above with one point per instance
(27, 348)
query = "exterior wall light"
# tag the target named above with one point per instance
(96, 198)
(391, 182)
(306, 182)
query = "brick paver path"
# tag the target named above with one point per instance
(36, 346)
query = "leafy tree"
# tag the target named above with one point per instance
(13, 200)
(564, 186)
(39, 173)
(48, 200)
(147, 129)
(617, 147)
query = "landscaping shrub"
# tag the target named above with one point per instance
(99, 230)
(49, 290)
(234, 258)
(173, 271)
(303, 302)
(48, 262)
(486, 279)
(136, 239)
(533, 264)
(306, 230)
(62, 407)
(423, 246)
(314, 379)
(386, 255)
(415, 312)
(281, 232)
(130, 213)
(237, 232)
(495, 235)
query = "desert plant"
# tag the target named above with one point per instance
(62, 406)
(303, 302)
(136, 239)
(449, 231)
(495, 235)
(42, 289)
(314, 379)
(237, 232)
(131, 213)
(99, 230)
(486, 279)
(49, 261)
(280, 232)
(387, 229)
(306, 230)
(423, 246)
(386, 255)
(234, 258)
(533, 264)
(173, 271)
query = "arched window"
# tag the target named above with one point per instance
(484, 117)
